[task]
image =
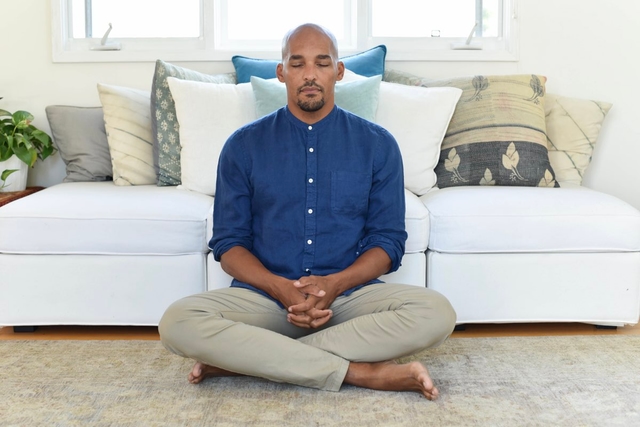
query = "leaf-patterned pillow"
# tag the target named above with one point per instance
(164, 124)
(497, 135)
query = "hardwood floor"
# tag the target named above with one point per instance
(151, 333)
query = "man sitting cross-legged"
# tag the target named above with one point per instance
(309, 212)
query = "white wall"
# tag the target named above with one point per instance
(586, 48)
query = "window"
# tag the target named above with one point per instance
(192, 30)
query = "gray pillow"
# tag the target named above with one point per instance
(81, 139)
(164, 123)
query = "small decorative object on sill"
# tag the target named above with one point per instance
(21, 144)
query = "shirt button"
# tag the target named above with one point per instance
(309, 242)
(310, 211)
(307, 270)
(311, 150)
(310, 180)
(310, 127)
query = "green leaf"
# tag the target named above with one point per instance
(5, 173)
(22, 119)
(41, 136)
(4, 113)
(46, 152)
(29, 157)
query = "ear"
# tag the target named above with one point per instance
(340, 71)
(279, 72)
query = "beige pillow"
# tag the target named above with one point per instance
(573, 126)
(127, 120)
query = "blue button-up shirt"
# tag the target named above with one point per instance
(309, 199)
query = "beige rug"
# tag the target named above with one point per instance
(520, 381)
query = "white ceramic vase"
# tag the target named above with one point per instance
(17, 181)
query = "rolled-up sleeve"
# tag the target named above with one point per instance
(232, 201)
(385, 226)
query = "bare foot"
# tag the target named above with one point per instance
(390, 376)
(201, 371)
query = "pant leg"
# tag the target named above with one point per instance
(244, 332)
(385, 321)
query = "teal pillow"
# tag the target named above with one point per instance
(368, 63)
(359, 97)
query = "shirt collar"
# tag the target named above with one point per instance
(326, 121)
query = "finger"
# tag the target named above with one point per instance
(300, 321)
(302, 307)
(316, 313)
(316, 323)
(310, 289)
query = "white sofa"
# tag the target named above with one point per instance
(95, 253)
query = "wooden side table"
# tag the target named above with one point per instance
(11, 196)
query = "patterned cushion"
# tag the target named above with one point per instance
(128, 124)
(165, 129)
(573, 126)
(497, 135)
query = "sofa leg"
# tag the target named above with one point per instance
(606, 327)
(461, 327)
(20, 329)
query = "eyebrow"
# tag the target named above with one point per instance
(298, 57)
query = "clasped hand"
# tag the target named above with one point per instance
(313, 311)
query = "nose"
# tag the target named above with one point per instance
(309, 72)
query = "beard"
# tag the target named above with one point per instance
(311, 105)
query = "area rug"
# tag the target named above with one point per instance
(513, 381)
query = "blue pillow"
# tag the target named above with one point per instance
(359, 96)
(368, 63)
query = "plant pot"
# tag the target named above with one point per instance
(17, 181)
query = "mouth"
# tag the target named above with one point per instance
(310, 89)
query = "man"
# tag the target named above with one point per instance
(309, 212)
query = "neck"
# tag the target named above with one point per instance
(310, 117)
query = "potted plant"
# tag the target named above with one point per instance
(21, 144)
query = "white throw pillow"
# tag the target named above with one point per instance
(418, 118)
(208, 114)
(127, 119)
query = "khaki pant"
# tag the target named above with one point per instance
(244, 332)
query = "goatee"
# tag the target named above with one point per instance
(311, 106)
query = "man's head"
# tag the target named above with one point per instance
(310, 69)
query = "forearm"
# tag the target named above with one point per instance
(370, 265)
(242, 265)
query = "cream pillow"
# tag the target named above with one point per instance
(208, 114)
(418, 118)
(127, 120)
(573, 126)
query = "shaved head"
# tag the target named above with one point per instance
(309, 27)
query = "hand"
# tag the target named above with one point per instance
(310, 318)
(314, 311)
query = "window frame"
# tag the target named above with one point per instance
(210, 46)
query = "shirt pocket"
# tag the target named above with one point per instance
(349, 192)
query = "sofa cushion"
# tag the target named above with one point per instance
(102, 218)
(164, 124)
(368, 63)
(417, 117)
(81, 139)
(208, 114)
(497, 135)
(358, 96)
(525, 219)
(127, 119)
(573, 126)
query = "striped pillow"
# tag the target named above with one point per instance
(127, 119)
